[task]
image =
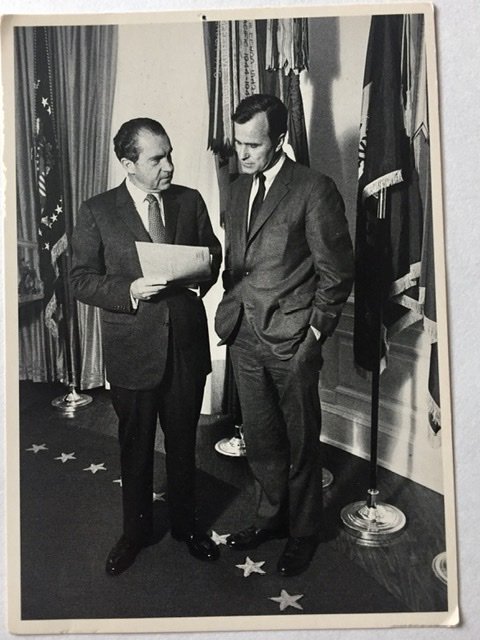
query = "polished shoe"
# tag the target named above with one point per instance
(252, 537)
(297, 555)
(199, 545)
(122, 556)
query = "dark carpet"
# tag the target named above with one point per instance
(71, 517)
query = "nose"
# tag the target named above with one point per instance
(243, 152)
(167, 165)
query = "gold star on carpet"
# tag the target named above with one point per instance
(66, 456)
(96, 467)
(158, 497)
(38, 447)
(250, 567)
(219, 539)
(118, 481)
(286, 600)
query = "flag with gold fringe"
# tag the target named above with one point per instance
(394, 191)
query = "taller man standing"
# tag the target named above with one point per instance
(288, 273)
(155, 337)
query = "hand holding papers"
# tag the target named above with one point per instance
(174, 263)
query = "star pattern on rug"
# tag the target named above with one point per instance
(286, 600)
(64, 457)
(96, 467)
(250, 567)
(37, 447)
(219, 539)
(158, 497)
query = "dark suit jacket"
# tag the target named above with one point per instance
(105, 263)
(295, 269)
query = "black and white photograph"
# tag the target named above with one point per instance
(228, 374)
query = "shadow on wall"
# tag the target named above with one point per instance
(348, 144)
(324, 46)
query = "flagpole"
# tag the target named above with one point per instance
(70, 402)
(370, 522)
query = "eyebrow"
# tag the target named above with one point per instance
(249, 143)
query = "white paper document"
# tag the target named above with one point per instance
(174, 262)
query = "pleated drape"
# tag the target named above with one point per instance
(86, 62)
(83, 63)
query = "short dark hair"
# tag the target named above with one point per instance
(125, 142)
(275, 110)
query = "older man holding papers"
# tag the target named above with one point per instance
(155, 335)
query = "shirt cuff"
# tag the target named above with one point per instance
(133, 300)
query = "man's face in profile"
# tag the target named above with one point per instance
(153, 170)
(253, 144)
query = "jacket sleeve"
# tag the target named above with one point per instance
(89, 278)
(208, 239)
(330, 244)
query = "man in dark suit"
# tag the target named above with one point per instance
(155, 337)
(288, 273)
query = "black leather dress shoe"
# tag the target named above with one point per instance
(199, 545)
(122, 556)
(252, 537)
(297, 555)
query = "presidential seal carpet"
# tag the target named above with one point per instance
(71, 517)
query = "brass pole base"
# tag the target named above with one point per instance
(439, 566)
(234, 446)
(373, 524)
(71, 402)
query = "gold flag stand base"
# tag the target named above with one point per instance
(373, 524)
(69, 403)
(234, 446)
(439, 566)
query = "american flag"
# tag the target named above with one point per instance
(52, 240)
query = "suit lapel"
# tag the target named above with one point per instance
(240, 213)
(276, 193)
(129, 214)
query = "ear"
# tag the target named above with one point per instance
(281, 140)
(128, 165)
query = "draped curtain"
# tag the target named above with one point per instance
(83, 64)
(86, 62)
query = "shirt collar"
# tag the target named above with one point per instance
(271, 174)
(138, 196)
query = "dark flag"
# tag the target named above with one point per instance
(389, 208)
(52, 241)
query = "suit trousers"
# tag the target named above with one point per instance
(281, 422)
(176, 402)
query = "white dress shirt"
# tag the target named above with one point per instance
(141, 205)
(270, 175)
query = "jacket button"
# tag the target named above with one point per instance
(247, 273)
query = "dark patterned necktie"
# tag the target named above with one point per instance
(258, 200)
(156, 228)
